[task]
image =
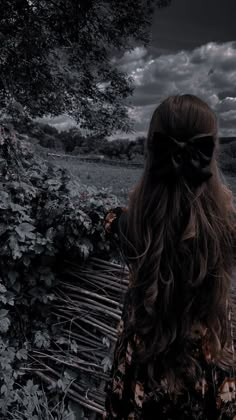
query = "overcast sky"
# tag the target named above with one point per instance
(193, 50)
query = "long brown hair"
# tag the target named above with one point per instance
(181, 249)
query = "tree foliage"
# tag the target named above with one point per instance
(55, 57)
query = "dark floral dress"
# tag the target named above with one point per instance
(212, 397)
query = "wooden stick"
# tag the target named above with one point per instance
(92, 405)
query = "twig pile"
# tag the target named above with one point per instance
(88, 308)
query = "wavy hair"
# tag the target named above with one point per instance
(181, 252)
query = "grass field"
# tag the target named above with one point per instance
(119, 179)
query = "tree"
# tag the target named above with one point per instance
(55, 57)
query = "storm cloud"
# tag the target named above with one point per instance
(208, 71)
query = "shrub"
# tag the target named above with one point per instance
(227, 164)
(45, 218)
(227, 157)
(48, 141)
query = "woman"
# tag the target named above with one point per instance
(174, 357)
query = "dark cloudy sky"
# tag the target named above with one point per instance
(193, 50)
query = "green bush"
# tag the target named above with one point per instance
(227, 157)
(45, 218)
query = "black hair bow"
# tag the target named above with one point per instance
(190, 159)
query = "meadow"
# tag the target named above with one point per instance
(118, 179)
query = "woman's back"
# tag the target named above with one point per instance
(174, 357)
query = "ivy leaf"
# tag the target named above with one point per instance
(6, 297)
(14, 246)
(12, 276)
(42, 339)
(25, 230)
(4, 200)
(38, 249)
(74, 346)
(17, 286)
(16, 208)
(106, 363)
(62, 340)
(3, 229)
(3, 299)
(106, 342)
(26, 261)
(29, 190)
(54, 184)
(84, 250)
(70, 374)
(4, 321)
(47, 278)
(3, 313)
(4, 389)
(61, 385)
(22, 354)
(10, 298)
(2, 288)
(30, 388)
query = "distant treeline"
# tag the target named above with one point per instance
(73, 142)
(227, 140)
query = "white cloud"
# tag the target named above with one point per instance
(61, 123)
(208, 71)
(226, 104)
(131, 60)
